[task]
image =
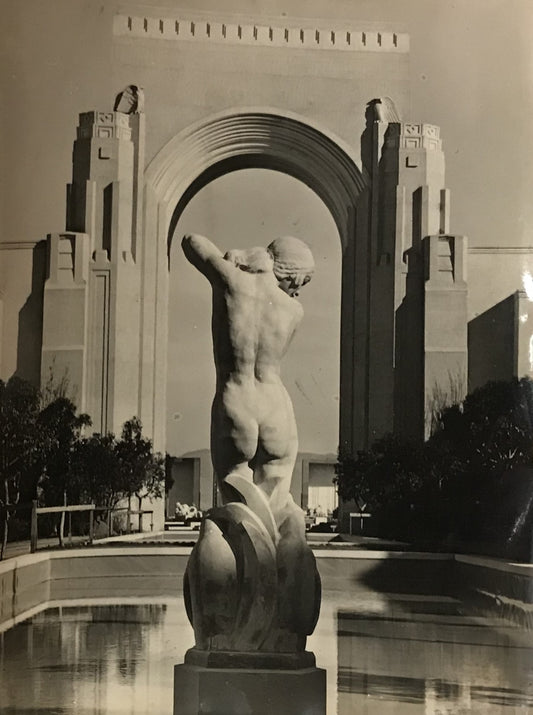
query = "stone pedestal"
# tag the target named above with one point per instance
(241, 691)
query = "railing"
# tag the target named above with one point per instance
(91, 508)
(36, 510)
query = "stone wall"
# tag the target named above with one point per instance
(487, 586)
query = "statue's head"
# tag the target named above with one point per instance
(293, 263)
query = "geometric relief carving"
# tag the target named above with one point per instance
(411, 129)
(424, 136)
(427, 130)
(430, 130)
(121, 120)
(105, 125)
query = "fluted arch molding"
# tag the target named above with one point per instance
(259, 138)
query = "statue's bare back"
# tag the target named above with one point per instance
(253, 430)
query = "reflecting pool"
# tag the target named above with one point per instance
(383, 654)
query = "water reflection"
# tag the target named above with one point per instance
(416, 654)
(94, 659)
(424, 656)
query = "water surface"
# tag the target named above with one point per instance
(383, 654)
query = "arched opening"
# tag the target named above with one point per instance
(233, 140)
(243, 209)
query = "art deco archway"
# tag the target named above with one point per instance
(231, 140)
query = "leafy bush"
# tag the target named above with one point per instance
(44, 455)
(458, 486)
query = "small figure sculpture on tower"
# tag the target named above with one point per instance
(130, 100)
(384, 110)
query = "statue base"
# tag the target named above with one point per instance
(222, 683)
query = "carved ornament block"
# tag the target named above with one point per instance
(105, 125)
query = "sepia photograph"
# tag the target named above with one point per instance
(266, 357)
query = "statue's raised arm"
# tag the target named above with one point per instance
(205, 256)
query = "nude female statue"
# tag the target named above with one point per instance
(251, 582)
(255, 315)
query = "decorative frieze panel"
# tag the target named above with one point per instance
(414, 136)
(105, 125)
(231, 31)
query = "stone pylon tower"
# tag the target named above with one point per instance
(414, 281)
(430, 291)
(92, 292)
